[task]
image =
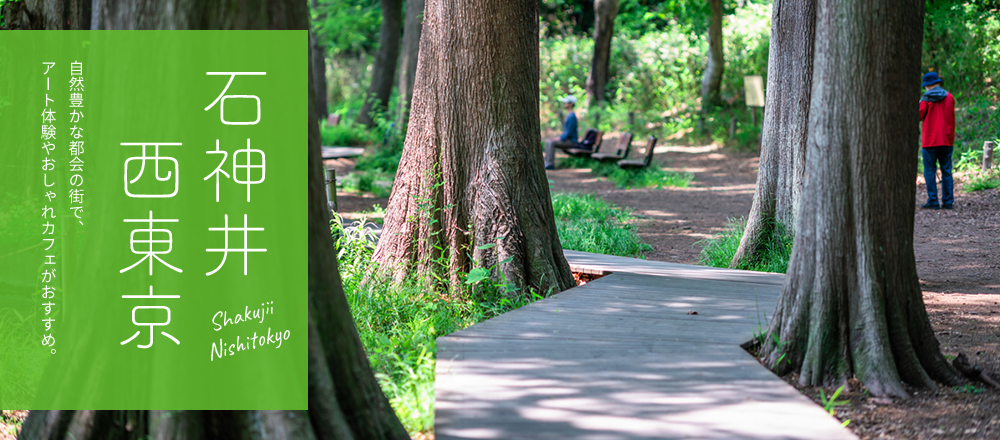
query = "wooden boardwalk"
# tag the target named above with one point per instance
(622, 357)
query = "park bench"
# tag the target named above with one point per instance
(590, 144)
(647, 156)
(624, 144)
(341, 152)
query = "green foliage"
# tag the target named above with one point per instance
(347, 27)
(346, 134)
(831, 404)
(398, 324)
(719, 251)
(988, 180)
(658, 70)
(635, 17)
(589, 224)
(376, 183)
(2, 22)
(975, 122)
(375, 171)
(657, 74)
(962, 43)
(967, 388)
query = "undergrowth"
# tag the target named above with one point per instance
(987, 180)
(375, 171)
(719, 251)
(589, 224)
(398, 324)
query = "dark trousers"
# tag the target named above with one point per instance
(933, 156)
(550, 150)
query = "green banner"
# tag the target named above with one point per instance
(153, 220)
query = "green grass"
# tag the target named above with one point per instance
(346, 134)
(719, 251)
(988, 180)
(398, 324)
(589, 224)
(649, 177)
(378, 164)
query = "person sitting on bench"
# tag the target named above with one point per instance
(567, 139)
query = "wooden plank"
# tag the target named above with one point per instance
(612, 264)
(721, 394)
(620, 358)
(342, 152)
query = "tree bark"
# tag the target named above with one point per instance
(318, 67)
(605, 12)
(785, 130)
(345, 401)
(47, 15)
(712, 80)
(851, 304)
(384, 66)
(408, 61)
(470, 190)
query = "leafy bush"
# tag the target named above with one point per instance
(656, 71)
(398, 324)
(589, 224)
(988, 180)
(346, 134)
(719, 251)
(962, 42)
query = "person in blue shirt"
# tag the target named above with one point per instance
(567, 139)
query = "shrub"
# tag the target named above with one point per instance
(719, 251)
(988, 180)
(589, 224)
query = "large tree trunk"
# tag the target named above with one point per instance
(345, 401)
(470, 182)
(318, 67)
(783, 143)
(851, 304)
(605, 12)
(408, 61)
(319, 76)
(384, 67)
(712, 80)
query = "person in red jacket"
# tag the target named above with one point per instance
(937, 111)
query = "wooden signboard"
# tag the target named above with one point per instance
(754, 86)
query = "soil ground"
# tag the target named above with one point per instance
(958, 260)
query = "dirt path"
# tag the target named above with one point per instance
(958, 261)
(957, 251)
(676, 219)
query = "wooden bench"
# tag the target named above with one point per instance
(341, 152)
(621, 151)
(592, 139)
(647, 156)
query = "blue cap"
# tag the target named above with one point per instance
(931, 78)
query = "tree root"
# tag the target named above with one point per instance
(973, 372)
